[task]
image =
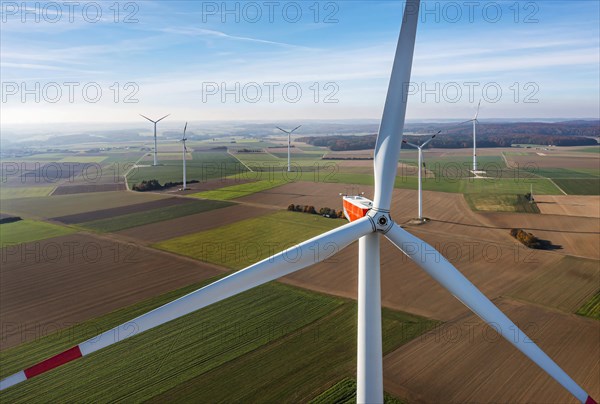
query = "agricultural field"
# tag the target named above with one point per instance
(25, 231)
(61, 205)
(571, 205)
(117, 211)
(243, 243)
(426, 369)
(204, 353)
(501, 203)
(87, 188)
(152, 233)
(122, 222)
(24, 192)
(579, 186)
(133, 251)
(51, 284)
(549, 287)
(82, 158)
(591, 308)
(205, 165)
(344, 392)
(69, 169)
(575, 235)
(238, 191)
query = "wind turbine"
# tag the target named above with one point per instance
(183, 140)
(421, 166)
(367, 229)
(475, 122)
(155, 143)
(289, 133)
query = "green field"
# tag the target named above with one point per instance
(203, 167)
(488, 163)
(299, 366)
(490, 202)
(273, 343)
(123, 222)
(237, 191)
(24, 192)
(25, 231)
(243, 243)
(560, 173)
(344, 392)
(541, 186)
(579, 186)
(304, 162)
(591, 308)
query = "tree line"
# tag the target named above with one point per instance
(577, 133)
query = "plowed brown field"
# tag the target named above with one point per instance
(121, 210)
(54, 283)
(85, 188)
(571, 205)
(576, 235)
(463, 361)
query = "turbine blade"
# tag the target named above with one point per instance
(293, 259)
(477, 113)
(184, 129)
(143, 116)
(450, 278)
(427, 141)
(163, 118)
(296, 128)
(389, 138)
(411, 144)
(283, 130)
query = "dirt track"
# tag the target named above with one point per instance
(463, 361)
(51, 284)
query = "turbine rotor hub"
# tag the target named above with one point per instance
(382, 221)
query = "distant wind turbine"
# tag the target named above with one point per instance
(183, 139)
(289, 133)
(475, 122)
(155, 143)
(421, 166)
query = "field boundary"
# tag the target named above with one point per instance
(244, 164)
(559, 188)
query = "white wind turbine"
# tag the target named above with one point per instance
(184, 150)
(155, 142)
(289, 133)
(475, 122)
(421, 166)
(368, 230)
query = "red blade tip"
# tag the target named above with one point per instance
(55, 361)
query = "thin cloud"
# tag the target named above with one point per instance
(192, 31)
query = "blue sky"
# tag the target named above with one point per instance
(527, 59)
